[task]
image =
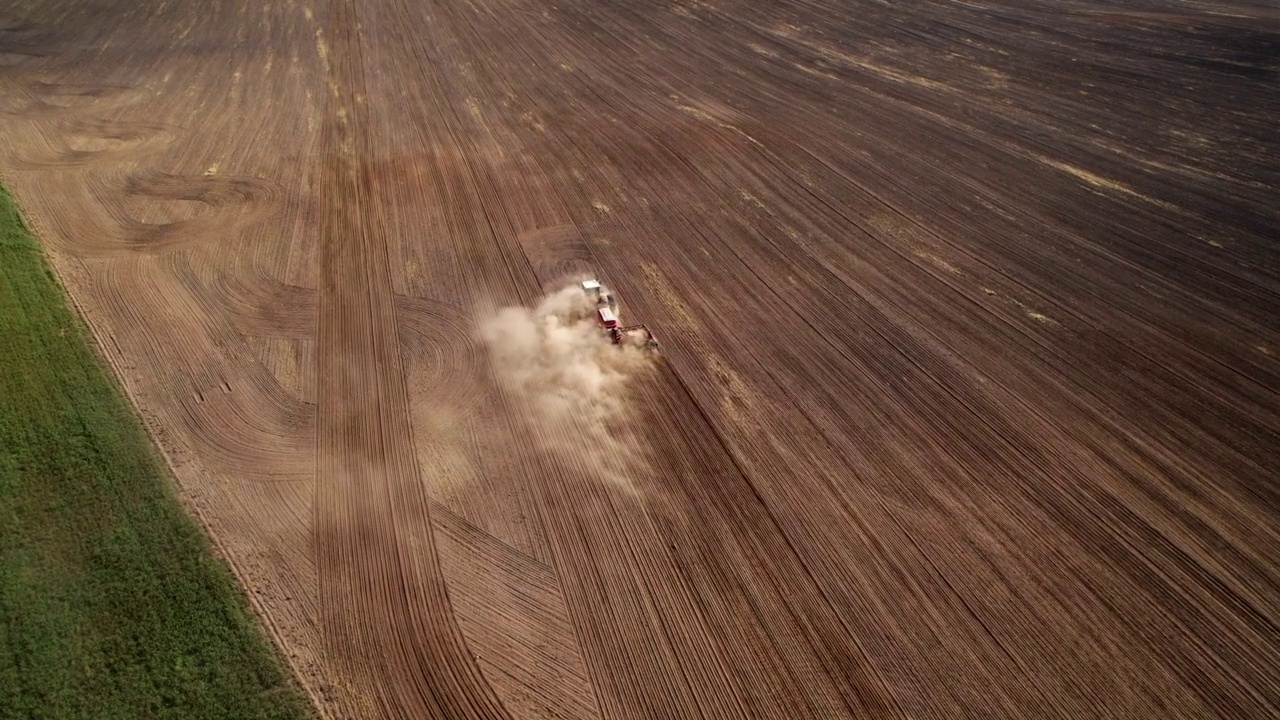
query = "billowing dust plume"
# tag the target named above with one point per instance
(556, 357)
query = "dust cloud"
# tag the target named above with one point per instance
(556, 357)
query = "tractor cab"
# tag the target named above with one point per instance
(599, 293)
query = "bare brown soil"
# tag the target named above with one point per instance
(971, 400)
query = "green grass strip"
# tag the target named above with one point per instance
(112, 602)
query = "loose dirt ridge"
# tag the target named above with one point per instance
(971, 314)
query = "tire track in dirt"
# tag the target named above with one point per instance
(40, 99)
(799, 631)
(558, 252)
(238, 421)
(856, 699)
(565, 489)
(77, 134)
(508, 452)
(602, 541)
(438, 343)
(409, 657)
(832, 381)
(497, 263)
(515, 621)
(83, 141)
(442, 374)
(188, 212)
(79, 139)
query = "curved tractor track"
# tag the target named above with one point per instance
(971, 314)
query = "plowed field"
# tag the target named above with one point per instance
(970, 402)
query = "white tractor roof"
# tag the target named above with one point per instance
(590, 284)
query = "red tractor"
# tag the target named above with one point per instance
(606, 311)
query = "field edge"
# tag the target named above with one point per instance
(265, 632)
